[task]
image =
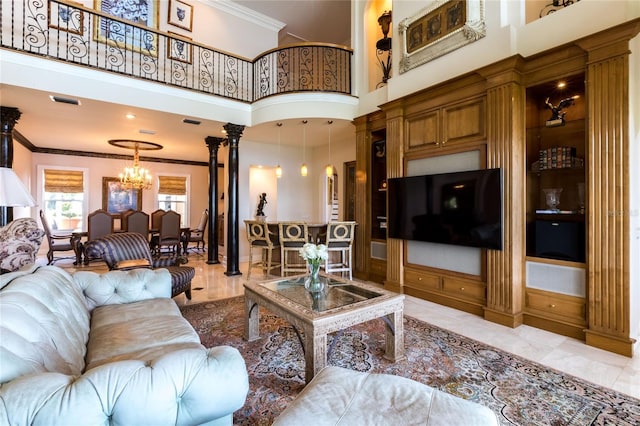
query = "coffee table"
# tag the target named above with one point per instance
(342, 304)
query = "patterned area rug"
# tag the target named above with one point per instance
(521, 392)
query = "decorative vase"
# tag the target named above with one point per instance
(552, 197)
(314, 283)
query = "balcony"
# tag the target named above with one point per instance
(74, 34)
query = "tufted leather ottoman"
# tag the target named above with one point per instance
(338, 396)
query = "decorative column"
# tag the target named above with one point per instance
(8, 116)
(213, 143)
(234, 131)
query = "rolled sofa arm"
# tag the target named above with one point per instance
(186, 387)
(118, 287)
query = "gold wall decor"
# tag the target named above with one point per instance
(438, 29)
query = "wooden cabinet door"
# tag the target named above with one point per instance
(423, 130)
(463, 122)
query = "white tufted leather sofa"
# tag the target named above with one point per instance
(108, 349)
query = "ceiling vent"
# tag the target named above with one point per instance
(190, 121)
(64, 100)
(147, 132)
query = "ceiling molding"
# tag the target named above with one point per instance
(252, 16)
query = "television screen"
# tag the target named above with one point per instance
(461, 208)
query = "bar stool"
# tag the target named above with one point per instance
(261, 237)
(293, 235)
(339, 239)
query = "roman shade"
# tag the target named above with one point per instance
(172, 185)
(67, 181)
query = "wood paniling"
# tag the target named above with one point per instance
(363, 233)
(608, 193)
(506, 148)
(395, 153)
(453, 124)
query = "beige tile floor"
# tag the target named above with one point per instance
(552, 350)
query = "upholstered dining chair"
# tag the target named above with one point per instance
(57, 242)
(293, 235)
(260, 237)
(168, 233)
(339, 241)
(99, 224)
(137, 221)
(155, 219)
(196, 235)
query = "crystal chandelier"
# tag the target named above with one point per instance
(135, 177)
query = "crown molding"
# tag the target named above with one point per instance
(239, 11)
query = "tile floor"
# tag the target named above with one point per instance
(552, 350)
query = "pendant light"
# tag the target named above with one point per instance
(303, 169)
(329, 168)
(278, 168)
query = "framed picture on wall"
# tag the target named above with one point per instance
(180, 14)
(178, 50)
(125, 36)
(117, 199)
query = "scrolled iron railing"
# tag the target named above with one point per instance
(70, 32)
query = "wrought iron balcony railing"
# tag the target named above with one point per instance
(70, 32)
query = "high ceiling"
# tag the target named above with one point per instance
(48, 124)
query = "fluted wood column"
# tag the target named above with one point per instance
(506, 148)
(395, 168)
(608, 219)
(8, 116)
(363, 235)
(234, 131)
(213, 144)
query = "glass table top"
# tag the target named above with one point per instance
(336, 293)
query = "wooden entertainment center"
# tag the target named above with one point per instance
(557, 270)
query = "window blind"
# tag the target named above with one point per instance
(67, 181)
(172, 185)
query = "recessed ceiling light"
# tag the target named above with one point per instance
(64, 100)
(147, 132)
(191, 121)
(130, 116)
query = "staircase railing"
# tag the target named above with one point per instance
(72, 33)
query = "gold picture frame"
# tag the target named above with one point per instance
(178, 49)
(117, 199)
(66, 18)
(440, 28)
(133, 36)
(180, 15)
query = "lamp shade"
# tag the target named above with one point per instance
(13, 193)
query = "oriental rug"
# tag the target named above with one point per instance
(521, 392)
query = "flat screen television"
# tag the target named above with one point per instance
(460, 208)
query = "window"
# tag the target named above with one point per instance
(64, 200)
(172, 195)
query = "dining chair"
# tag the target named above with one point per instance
(339, 241)
(155, 219)
(168, 233)
(261, 237)
(57, 241)
(99, 224)
(137, 221)
(196, 235)
(293, 235)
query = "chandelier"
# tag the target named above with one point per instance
(135, 177)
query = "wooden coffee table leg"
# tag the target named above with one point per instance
(251, 319)
(315, 354)
(394, 339)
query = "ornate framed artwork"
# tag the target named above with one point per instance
(66, 18)
(125, 36)
(438, 29)
(179, 50)
(117, 199)
(180, 14)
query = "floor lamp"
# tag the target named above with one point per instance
(13, 193)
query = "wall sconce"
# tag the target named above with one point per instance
(383, 47)
(555, 5)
